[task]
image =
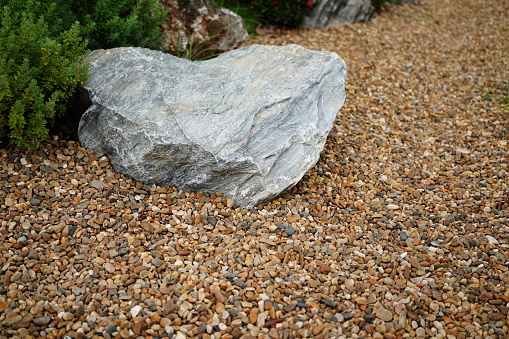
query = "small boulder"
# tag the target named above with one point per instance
(200, 28)
(332, 13)
(248, 123)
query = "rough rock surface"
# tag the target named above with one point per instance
(200, 23)
(248, 124)
(332, 13)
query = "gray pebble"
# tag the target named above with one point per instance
(289, 308)
(289, 231)
(347, 316)
(329, 302)
(35, 202)
(240, 283)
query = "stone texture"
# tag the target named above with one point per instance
(248, 124)
(194, 22)
(331, 13)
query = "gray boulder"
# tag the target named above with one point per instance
(331, 13)
(248, 123)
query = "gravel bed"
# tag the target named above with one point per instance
(400, 230)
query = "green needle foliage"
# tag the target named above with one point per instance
(42, 51)
(38, 74)
(104, 23)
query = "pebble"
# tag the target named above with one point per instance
(289, 231)
(42, 321)
(12, 320)
(384, 314)
(240, 283)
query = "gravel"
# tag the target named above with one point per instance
(399, 231)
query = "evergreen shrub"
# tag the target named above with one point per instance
(38, 74)
(378, 3)
(287, 13)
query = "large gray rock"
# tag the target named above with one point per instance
(201, 28)
(331, 13)
(248, 123)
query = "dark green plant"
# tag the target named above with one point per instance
(38, 74)
(287, 13)
(378, 3)
(105, 23)
(120, 23)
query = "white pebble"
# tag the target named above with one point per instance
(135, 310)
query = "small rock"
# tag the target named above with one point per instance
(16, 276)
(383, 314)
(22, 240)
(157, 262)
(240, 283)
(109, 267)
(420, 332)
(13, 320)
(414, 262)
(98, 184)
(35, 202)
(289, 308)
(492, 240)
(42, 321)
(329, 303)
(135, 310)
(68, 316)
(289, 231)
(347, 316)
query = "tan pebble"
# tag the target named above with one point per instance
(3, 306)
(420, 332)
(318, 329)
(219, 307)
(136, 328)
(253, 315)
(12, 320)
(109, 267)
(273, 333)
(414, 262)
(124, 333)
(254, 331)
(155, 317)
(68, 316)
(139, 269)
(383, 314)
(236, 323)
(99, 260)
(165, 322)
